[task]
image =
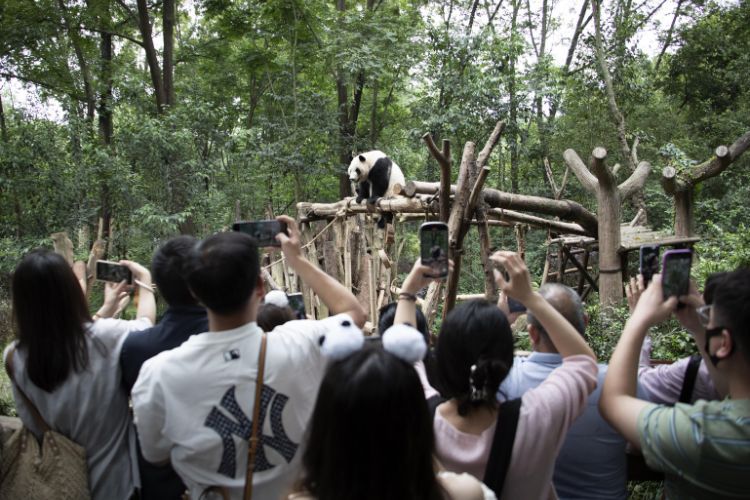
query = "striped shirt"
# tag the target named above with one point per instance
(703, 449)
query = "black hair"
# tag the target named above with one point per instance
(270, 316)
(222, 271)
(370, 435)
(567, 302)
(712, 282)
(168, 269)
(388, 315)
(476, 333)
(730, 299)
(51, 317)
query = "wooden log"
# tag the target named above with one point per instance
(565, 209)
(456, 225)
(63, 246)
(312, 211)
(444, 160)
(431, 301)
(97, 253)
(470, 296)
(490, 287)
(517, 217)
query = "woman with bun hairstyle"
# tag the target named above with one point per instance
(370, 436)
(66, 363)
(474, 354)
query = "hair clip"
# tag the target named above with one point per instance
(276, 298)
(342, 338)
(405, 342)
(476, 394)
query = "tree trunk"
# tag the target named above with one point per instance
(75, 41)
(144, 25)
(106, 127)
(168, 19)
(628, 156)
(515, 156)
(3, 126)
(684, 224)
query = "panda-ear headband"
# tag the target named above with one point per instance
(344, 338)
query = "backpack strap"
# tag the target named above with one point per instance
(502, 445)
(38, 419)
(433, 402)
(688, 383)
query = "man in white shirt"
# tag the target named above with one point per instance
(193, 405)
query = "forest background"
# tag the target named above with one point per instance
(144, 119)
(150, 118)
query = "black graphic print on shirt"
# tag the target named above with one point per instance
(241, 426)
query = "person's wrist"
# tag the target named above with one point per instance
(532, 301)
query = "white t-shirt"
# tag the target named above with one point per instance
(193, 405)
(90, 408)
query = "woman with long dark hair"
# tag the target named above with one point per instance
(67, 363)
(474, 354)
(370, 437)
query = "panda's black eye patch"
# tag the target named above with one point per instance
(358, 170)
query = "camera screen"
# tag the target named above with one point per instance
(109, 271)
(649, 264)
(434, 246)
(264, 232)
(297, 303)
(676, 279)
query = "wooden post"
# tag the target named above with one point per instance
(490, 287)
(609, 199)
(63, 246)
(444, 160)
(682, 187)
(456, 229)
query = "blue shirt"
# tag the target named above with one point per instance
(175, 327)
(592, 462)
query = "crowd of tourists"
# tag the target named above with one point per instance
(229, 395)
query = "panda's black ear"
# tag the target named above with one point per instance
(362, 158)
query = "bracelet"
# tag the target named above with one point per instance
(407, 296)
(95, 317)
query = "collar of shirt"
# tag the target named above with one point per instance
(248, 329)
(544, 358)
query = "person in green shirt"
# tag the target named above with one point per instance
(703, 448)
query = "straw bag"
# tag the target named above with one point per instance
(56, 469)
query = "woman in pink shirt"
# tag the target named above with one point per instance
(474, 354)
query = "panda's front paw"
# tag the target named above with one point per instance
(359, 199)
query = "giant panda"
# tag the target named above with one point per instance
(375, 175)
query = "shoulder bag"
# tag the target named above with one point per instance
(54, 469)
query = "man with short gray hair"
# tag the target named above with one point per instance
(592, 461)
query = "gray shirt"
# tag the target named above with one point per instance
(90, 409)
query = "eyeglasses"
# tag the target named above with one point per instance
(704, 314)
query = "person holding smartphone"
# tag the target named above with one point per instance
(193, 405)
(67, 364)
(474, 355)
(701, 448)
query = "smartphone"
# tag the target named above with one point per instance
(433, 248)
(112, 271)
(297, 303)
(264, 231)
(676, 272)
(648, 262)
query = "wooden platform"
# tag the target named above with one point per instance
(577, 250)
